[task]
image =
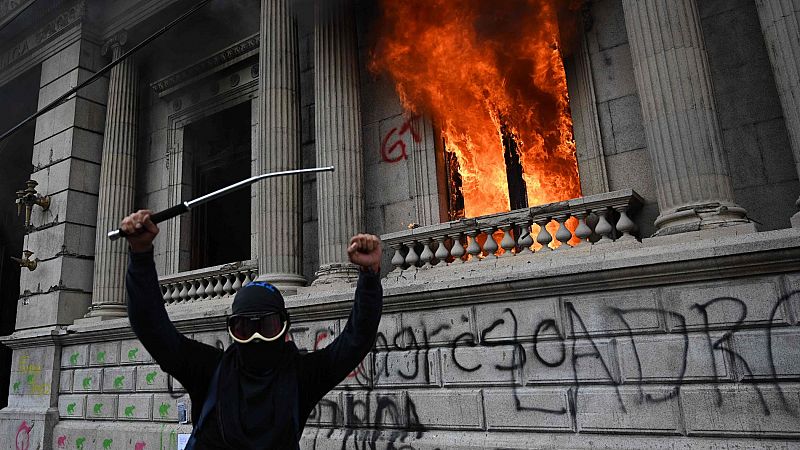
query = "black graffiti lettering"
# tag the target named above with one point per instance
(440, 329)
(573, 316)
(518, 354)
(373, 418)
(412, 418)
(468, 339)
(723, 343)
(518, 361)
(490, 328)
(544, 326)
(621, 313)
(416, 351)
(382, 347)
(771, 357)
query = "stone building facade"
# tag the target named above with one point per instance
(671, 320)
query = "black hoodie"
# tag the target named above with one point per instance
(259, 406)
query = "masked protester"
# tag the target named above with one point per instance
(258, 393)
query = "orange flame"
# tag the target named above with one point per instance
(475, 65)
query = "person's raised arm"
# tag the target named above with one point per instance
(146, 311)
(329, 366)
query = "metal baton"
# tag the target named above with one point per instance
(181, 208)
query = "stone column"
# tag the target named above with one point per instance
(780, 23)
(680, 120)
(279, 213)
(340, 195)
(117, 183)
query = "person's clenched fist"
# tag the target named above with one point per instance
(365, 251)
(139, 230)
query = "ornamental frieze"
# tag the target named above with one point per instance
(215, 61)
(31, 42)
(9, 7)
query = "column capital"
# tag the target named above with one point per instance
(117, 41)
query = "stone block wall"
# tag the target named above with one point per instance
(665, 361)
(555, 350)
(754, 134)
(749, 110)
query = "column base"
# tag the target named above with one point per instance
(700, 217)
(336, 273)
(107, 311)
(287, 283)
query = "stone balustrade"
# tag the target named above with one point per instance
(208, 283)
(592, 220)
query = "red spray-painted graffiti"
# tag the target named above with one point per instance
(140, 445)
(62, 442)
(397, 150)
(320, 337)
(23, 438)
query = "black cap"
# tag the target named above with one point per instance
(258, 297)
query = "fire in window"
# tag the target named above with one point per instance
(492, 77)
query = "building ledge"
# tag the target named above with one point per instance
(702, 255)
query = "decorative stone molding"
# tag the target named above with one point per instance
(10, 9)
(33, 41)
(214, 63)
(176, 230)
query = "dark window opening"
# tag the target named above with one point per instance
(219, 146)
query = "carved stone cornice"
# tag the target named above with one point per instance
(10, 8)
(214, 63)
(33, 41)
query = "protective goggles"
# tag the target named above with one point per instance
(267, 327)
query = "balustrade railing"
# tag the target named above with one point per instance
(206, 284)
(592, 220)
